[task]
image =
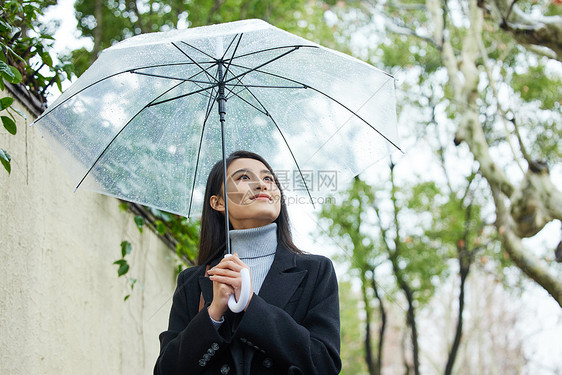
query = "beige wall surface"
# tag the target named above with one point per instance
(61, 301)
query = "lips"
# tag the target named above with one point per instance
(261, 196)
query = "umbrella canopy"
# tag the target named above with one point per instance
(142, 123)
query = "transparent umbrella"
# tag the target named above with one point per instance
(147, 121)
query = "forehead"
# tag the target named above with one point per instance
(248, 164)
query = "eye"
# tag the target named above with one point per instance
(269, 178)
(243, 177)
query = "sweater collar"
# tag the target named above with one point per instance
(254, 242)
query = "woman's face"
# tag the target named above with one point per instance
(254, 200)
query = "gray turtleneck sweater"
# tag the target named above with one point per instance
(256, 248)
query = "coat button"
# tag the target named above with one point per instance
(267, 363)
(202, 362)
(225, 369)
(215, 346)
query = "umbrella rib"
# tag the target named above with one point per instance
(293, 156)
(265, 86)
(230, 45)
(227, 70)
(256, 68)
(181, 96)
(195, 62)
(264, 112)
(117, 135)
(174, 78)
(336, 101)
(356, 115)
(296, 46)
(199, 50)
(287, 144)
(244, 88)
(50, 109)
(210, 105)
(197, 83)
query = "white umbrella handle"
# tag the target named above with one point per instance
(237, 307)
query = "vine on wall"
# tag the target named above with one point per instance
(25, 60)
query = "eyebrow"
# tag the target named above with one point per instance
(266, 171)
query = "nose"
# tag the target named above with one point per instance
(262, 186)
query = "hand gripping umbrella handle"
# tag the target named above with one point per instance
(237, 307)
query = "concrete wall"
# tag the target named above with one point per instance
(61, 302)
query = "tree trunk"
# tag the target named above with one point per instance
(464, 263)
(517, 252)
(368, 350)
(378, 362)
(393, 255)
(98, 31)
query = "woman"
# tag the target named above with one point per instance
(290, 324)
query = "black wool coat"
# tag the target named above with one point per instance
(291, 327)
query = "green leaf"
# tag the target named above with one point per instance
(6, 103)
(5, 159)
(126, 248)
(123, 269)
(126, 297)
(139, 221)
(9, 124)
(10, 73)
(47, 59)
(17, 78)
(160, 227)
(59, 82)
(5, 69)
(5, 27)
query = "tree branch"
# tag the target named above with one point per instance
(531, 266)
(492, 82)
(466, 95)
(543, 31)
(535, 202)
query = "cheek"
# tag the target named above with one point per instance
(277, 204)
(236, 197)
(238, 193)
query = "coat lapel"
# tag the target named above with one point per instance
(283, 278)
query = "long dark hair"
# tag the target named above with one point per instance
(212, 242)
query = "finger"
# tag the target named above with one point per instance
(225, 272)
(236, 259)
(228, 264)
(233, 282)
